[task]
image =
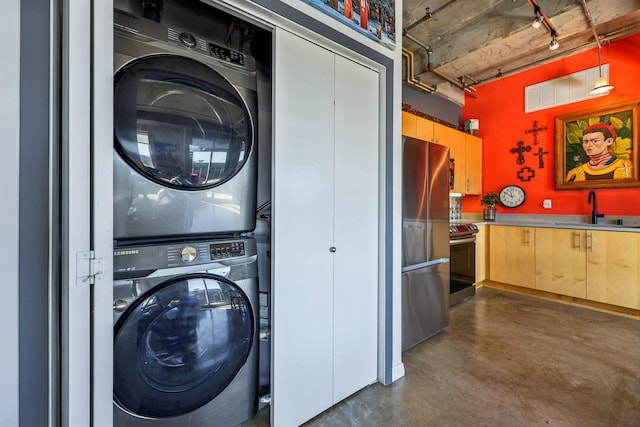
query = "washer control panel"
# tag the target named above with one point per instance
(226, 250)
(140, 260)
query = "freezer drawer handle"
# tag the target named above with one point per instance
(425, 264)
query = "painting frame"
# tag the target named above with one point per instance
(569, 152)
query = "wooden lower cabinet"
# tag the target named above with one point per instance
(613, 268)
(594, 265)
(560, 261)
(512, 255)
(481, 253)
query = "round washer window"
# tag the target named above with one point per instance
(179, 122)
(181, 345)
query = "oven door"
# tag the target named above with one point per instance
(462, 269)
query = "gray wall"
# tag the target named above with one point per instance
(433, 105)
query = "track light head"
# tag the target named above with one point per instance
(554, 43)
(536, 23)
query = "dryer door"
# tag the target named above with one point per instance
(180, 123)
(180, 345)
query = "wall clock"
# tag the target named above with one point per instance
(512, 196)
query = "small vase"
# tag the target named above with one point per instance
(489, 214)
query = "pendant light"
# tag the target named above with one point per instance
(602, 86)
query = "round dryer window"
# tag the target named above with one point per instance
(181, 345)
(179, 122)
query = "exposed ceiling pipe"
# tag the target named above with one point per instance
(431, 68)
(621, 32)
(426, 17)
(590, 21)
(470, 90)
(408, 55)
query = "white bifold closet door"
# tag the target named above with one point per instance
(325, 229)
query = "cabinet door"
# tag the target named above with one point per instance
(409, 124)
(511, 257)
(613, 268)
(303, 189)
(473, 163)
(355, 303)
(481, 250)
(453, 139)
(441, 134)
(560, 261)
(424, 129)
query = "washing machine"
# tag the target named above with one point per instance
(185, 347)
(185, 149)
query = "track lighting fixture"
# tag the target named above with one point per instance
(601, 86)
(554, 43)
(537, 22)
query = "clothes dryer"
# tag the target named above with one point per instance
(185, 150)
(185, 334)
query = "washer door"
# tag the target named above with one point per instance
(179, 122)
(180, 345)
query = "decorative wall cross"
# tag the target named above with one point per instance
(521, 149)
(526, 173)
(541, 154)
(534, 131)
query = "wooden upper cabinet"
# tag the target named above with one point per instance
(409, 124)
(465, 149)
(424, 129)
(473, 163)
(443, 134)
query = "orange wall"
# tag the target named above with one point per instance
(502, 122)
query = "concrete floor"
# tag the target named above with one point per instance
(508, 360)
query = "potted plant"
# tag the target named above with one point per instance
(489, 200)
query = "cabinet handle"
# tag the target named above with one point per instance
(590, 247)
(528, 237)
(579, 236)
(468, 185)
(332, 249)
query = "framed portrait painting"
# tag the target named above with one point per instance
(597, 148)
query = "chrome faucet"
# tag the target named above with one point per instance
(594, 212)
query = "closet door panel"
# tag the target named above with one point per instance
(302, 379)
(356, 227)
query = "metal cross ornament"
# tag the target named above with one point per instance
(534, 131)
(520, 149)
(526, 173)
(541, 154)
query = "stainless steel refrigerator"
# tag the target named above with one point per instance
(425, 240)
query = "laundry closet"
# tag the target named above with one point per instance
(247, 218)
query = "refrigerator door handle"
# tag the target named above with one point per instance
(426, 264)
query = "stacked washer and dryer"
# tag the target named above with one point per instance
(185, 274)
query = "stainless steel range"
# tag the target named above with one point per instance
(462, 277)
